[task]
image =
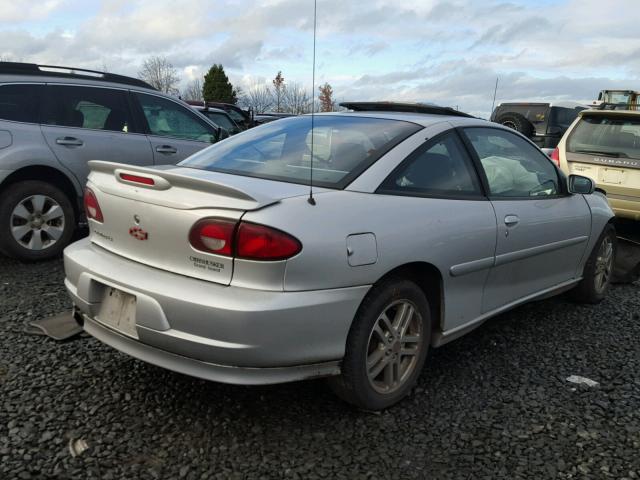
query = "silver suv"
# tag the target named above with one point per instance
(53, 120)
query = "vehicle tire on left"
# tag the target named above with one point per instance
(37, 220)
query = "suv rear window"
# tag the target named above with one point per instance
(608, 135)
(20, 102)
(564, 117)
(344, 146)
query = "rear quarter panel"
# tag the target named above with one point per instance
(441, 232)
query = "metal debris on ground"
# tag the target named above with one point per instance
(582, 381)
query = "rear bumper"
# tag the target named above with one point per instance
(624, 206)
(222, 333)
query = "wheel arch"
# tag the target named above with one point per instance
(429, 278)
(46, 174)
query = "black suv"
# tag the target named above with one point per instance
(543, 123)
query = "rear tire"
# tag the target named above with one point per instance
(598, 270)
(37, 221)
(516, 122)
(386, 347)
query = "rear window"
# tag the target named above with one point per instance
(220, 119)
(344, 146)
(564, 117)
(19, 102)
(614, 135)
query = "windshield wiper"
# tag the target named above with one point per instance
(606, 154)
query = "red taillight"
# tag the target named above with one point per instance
(91, 206)
(249, 240)
(555, 156)
(213, 235)
(137, 179)
(257, 242)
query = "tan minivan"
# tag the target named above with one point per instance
(604, 144)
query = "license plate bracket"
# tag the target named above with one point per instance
(118, 311)
(612, 176)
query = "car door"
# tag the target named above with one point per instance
(174, 131)
(542, 229)
(83, 123)
(439, 206)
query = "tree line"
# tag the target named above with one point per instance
(281, 96)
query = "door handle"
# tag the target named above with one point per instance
(69, 141)
(511, 220)
(166, 149)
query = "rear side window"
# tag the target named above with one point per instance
(435, 169)
(513, 167)
(19, 103)
(170, 119)
(87, 107)
(606, 135)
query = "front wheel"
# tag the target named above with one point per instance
(598, 270)
(37, 220)
(386, 347)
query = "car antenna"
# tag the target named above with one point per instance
(312, 200)
(495, 91)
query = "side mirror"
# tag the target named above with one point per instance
(580, 184)
(224, 133)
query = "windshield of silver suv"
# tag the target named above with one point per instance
(607, 135)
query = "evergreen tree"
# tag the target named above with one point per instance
(217, 87)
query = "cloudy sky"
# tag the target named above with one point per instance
(443, 51)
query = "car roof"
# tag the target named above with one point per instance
(31, 72)
(424, 119)
(592, 112)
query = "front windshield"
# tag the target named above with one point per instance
(343, 147)
(610, 135)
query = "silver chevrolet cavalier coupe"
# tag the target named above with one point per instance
(420, 226)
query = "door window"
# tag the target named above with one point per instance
(87, 107)
(20, 102)
(513, 167)
(170, 119)
(435, 169)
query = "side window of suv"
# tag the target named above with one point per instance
(513, 167)
(19, 103)
(87, 107)
(169, 119)
(435, 169)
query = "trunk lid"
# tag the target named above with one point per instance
(150, 224)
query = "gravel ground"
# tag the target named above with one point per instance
(494, 404)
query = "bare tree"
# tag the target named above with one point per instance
(296, 99)
(193, 91)
(259, 97)
(160, 74)
(279, 90)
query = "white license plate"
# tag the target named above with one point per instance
(118, 311)
(610, 175)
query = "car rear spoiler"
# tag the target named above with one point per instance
(175, 179)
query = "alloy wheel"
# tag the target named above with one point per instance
(37, 222)
(394, 346)
(604, 264)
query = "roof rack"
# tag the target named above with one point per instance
(403, 107)
(18, 68)
(617, 106)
